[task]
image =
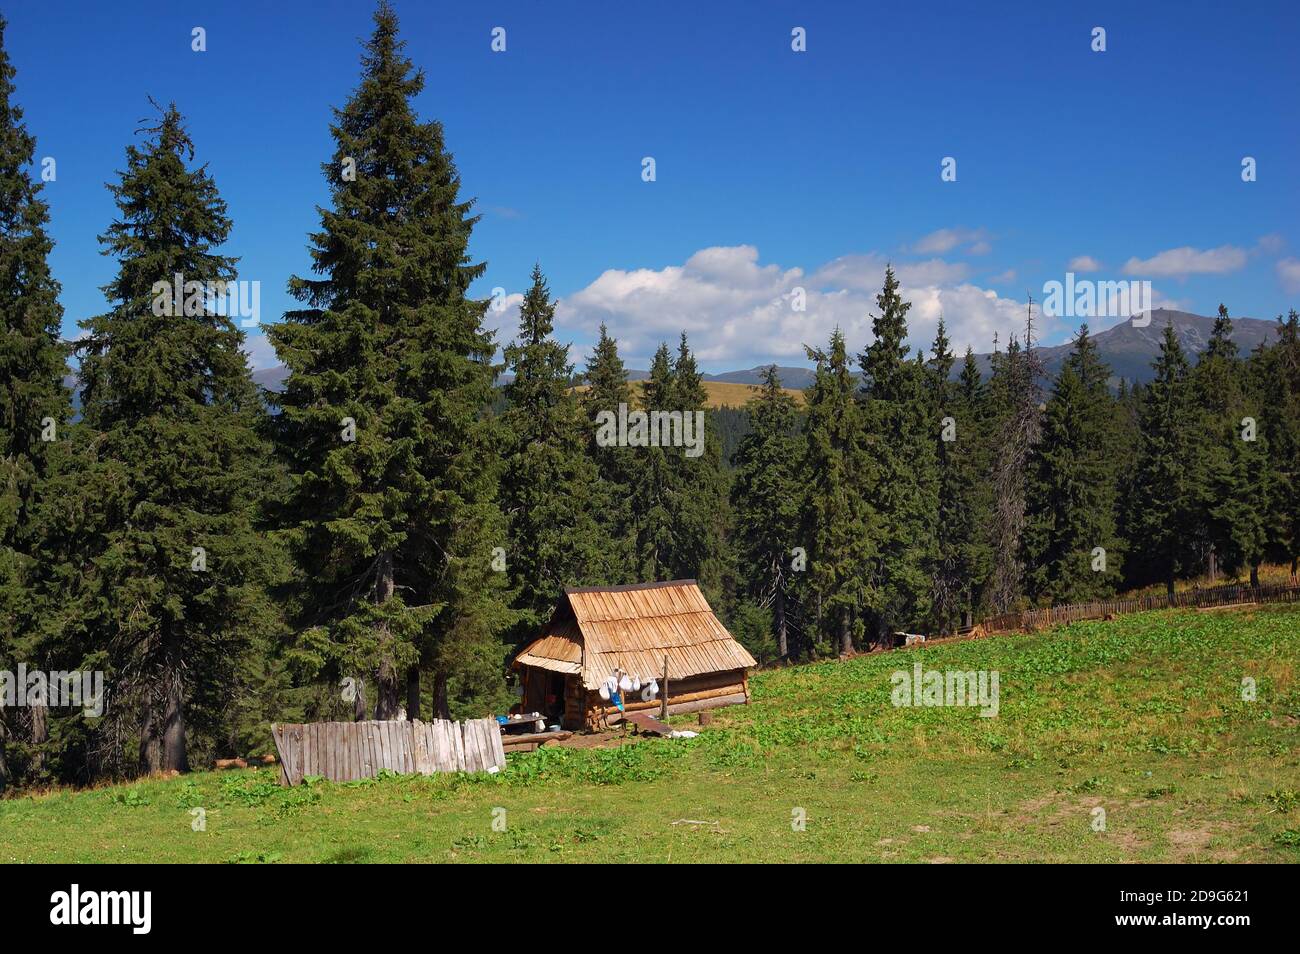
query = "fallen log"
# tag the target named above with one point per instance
(512, 742)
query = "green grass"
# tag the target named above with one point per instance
(1142, 717)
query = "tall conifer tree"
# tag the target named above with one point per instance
(34, 404)
(392, 510)
(653, 487)
(1072, 551)
(1165, 493)
(767, 499)
(959, 557)
(1281, 419)
(702, 511)
(839, 524)
(548, 477)
(176, 569)
(607, 389)
(899, 430)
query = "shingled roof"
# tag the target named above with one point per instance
(597, 629)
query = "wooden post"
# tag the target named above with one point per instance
(663, 703)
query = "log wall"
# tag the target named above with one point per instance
(705, 691)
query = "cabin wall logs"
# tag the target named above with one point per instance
(690, 694)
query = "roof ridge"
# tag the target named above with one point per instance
(629, 587)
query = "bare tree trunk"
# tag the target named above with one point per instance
(40, 734)
(413, 693)
(359, 702)
(1019, 435)
(782, 642)
(1254, 575)
(386, 690)
(4, 764)
(441, 710)
(1214, 566)
(150, 748)
(846, 634)
(174, 757)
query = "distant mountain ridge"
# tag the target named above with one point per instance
(1129, 350)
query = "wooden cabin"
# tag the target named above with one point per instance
(597, 630)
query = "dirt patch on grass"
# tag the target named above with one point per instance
(1193, 844)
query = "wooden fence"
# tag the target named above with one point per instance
(1231, 595)
(345, 751)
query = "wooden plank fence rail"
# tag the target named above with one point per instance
(346, 751)
(1230, 595)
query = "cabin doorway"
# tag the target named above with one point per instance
(544, 693)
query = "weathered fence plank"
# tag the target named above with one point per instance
(345, 751)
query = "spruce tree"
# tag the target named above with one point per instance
(839, 525)
(974, 492)
(607, 389)
(900, 426)
(653, 485)
(547, 477)
(1072, 551)
(767, 498)
(176, 566)
(960, 551)
(1216, 382)
(679, 499)
(702, 512)
(1231, 395)
(1165, 493)
(392, 513)
(1280, 390)
(34, 404)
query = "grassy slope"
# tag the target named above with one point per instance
(1141, 716)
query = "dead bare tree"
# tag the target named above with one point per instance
(1016, 440)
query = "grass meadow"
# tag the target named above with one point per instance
(1141, 717)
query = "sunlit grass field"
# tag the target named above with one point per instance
(720, 393)
(1142, 717)
(1270, 574)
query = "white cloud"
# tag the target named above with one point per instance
(738, 312)
(502, 316)
(258, 348)
(942, 241)
(1084, 263)
(1270, 244)
(866, 272)
(1288, 273)
(1003, 278)
(1184, 261)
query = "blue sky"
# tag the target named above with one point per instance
(775, 170)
